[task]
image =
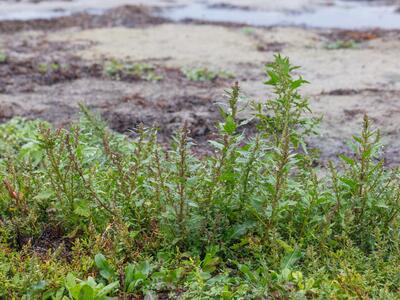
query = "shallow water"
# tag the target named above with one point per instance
(53, 9)
(342, 14)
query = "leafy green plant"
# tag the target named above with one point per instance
(88, 289)
(137, 276)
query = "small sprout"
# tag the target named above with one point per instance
(44, 68)
(55, 67)
(3, 57)
(248, 30)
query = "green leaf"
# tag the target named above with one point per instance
(106, 271)
(367, 153)
(144, 268)
(39, 286)
(349, 182)
(216, 145)
(59, 294)
(72, 287)
(132, 286)
(205, 275)
(298, 83)
(290, 259)
(44, 195)
(273, 78)
(382, 204)
(86, 293)
(347, 159)
(239, 230)
(105, 291)
(129, 275)
(247, 272)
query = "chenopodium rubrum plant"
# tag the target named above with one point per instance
(256, 183)
(248, 184)
(198, 193)
(366, 194)
(284, 122)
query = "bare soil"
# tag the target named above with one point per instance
(346, 83)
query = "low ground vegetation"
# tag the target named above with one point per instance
(118, 70)
(204, 74)
(87, 213)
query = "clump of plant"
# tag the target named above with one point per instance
(248, 30)
(342, 44)
(253, 219)
(120, 70)
(204, 74)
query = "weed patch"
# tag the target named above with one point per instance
(204, 74)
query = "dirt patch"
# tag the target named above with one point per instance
(51, 89)
(124, 105)
(355, 35)
(23, 76)
(127, 16)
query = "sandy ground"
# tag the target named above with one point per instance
(374, 64)
(346, 83)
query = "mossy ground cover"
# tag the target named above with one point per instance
(87, 213)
